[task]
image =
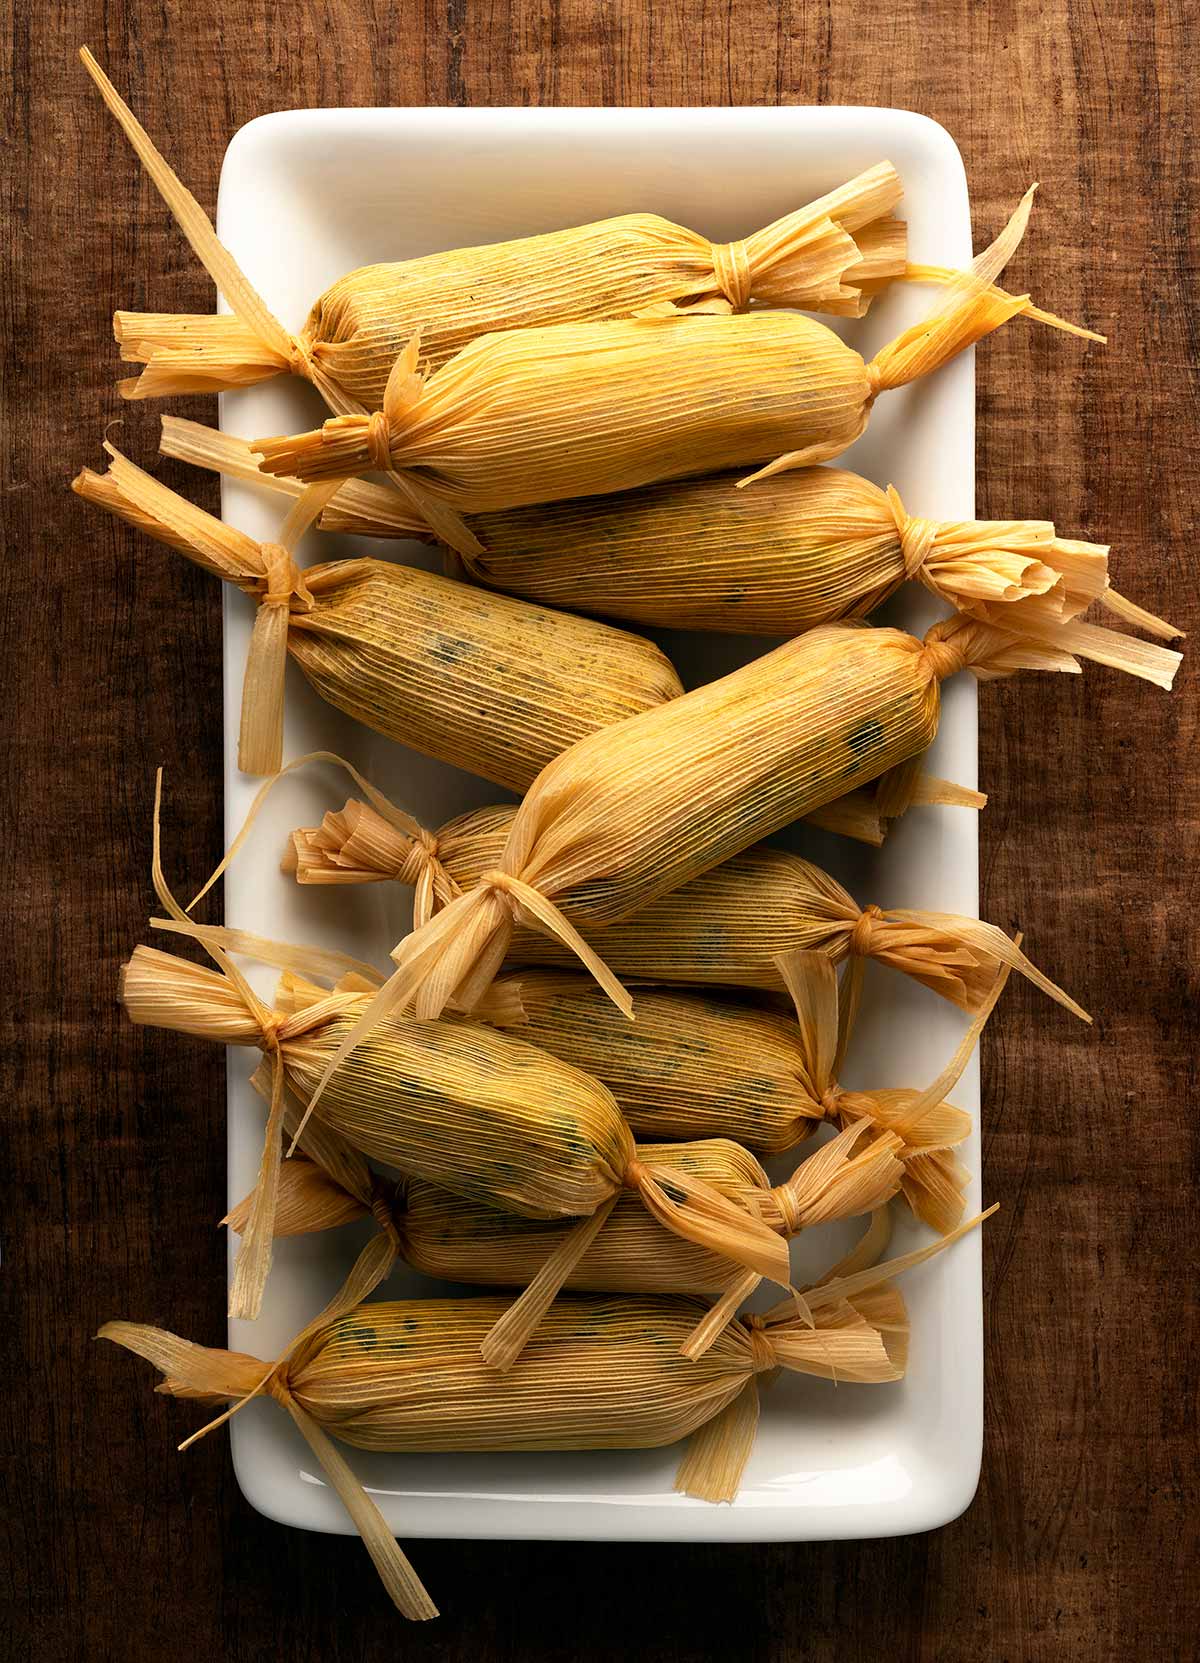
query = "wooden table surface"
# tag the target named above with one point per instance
(1077, 1544)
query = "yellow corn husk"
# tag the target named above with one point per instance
(695, 1066)
(832, 256)
(725, 928)
(577, 410)
(604, 1373)
(803, 549)
(484, 682)
(457, 1239)
(468, 1107)
(626, 816)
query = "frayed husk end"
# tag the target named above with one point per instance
(821, 257)
(971, 308)
(130, 494)
(1005, 571)
(356, 844)
(266, 571)
(308, 1201)
(997, 639)
(714, 1461)
(159, 990)
(339, 449)
(956, 957)
(206, 1374)
(853, 1340)
(866, 815)
(935, 1187)
(102, 491)
(214, 1376)
(930, 790)
(185, 354)
(839, 1180)
(254, 317)
(947, 274)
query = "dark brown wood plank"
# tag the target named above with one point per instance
(1078, 1543)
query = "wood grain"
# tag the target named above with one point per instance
(1078, 1542)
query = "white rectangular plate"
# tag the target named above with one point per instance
(308, 195)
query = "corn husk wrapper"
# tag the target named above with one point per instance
(726, 928)
(481, 681)
(630, 815)
(702, 1066)
(576, 410)
(831, 255)
(447, 1236)
(802, 549)
(471, 1108)
(603, 1373)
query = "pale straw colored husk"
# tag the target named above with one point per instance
(801, 549)
(473, 1109)
(804, 548)
(631, 814)
(725, 929)
(831, 256)
(603, 1373)
(576, 410)
(482, 681)
(460, 1240)
(463, 1105)
(706, 1066)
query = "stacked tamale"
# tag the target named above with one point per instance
(618, 997)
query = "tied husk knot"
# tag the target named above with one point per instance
(357, 844)
(266, 571)
(424, 660)
(906, 1126)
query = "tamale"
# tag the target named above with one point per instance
(604, 1373)
(803, 548)
(726, 928)
(705, 1066)
(468, 1107)
(632, 813)
(832, 255)
(578, 410)
(484, 682)
(456, 1239)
